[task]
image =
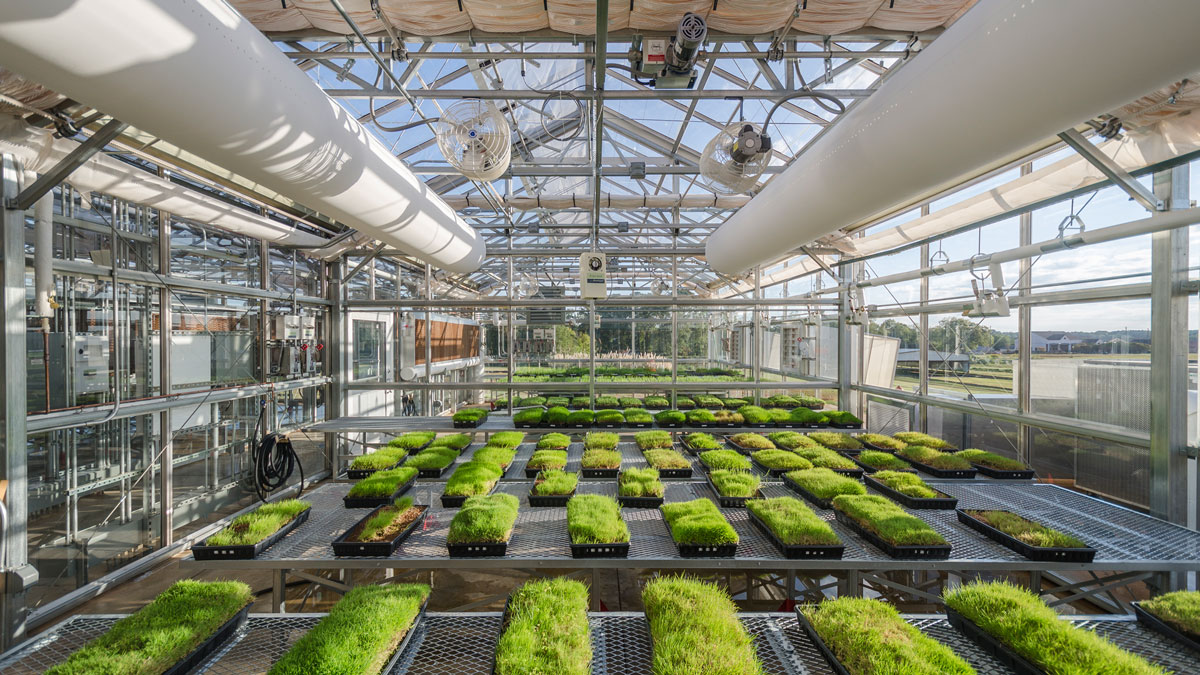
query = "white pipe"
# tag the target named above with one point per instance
(39, 151)
(409, 373)
(43, 254)
(1005, 76)
(201, 76)
(607, 201)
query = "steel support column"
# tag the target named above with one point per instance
(1025, 336)
(923, 338)
(166, 454)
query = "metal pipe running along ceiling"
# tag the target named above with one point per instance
(1003, 77)
(199, 75)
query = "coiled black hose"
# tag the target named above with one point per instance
(274, 461)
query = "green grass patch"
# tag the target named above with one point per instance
(825, 483)
(918, 438)
(793, 522)
(553, 441)
(663, 458)
(412, 440)
(163, 632)
(600, 459)
(360, 633)
(607, 402)
(457, 441)
(991, 460)
(388, 522)
(906, 483)
(380, 459)
(531, 400)
(601, 440)
(781, 460)
(556, 483)
(698, 522)
(886, 519)
(1026, 625)
(469, 415)
(250, 528)
(702, 441)
(724, 459)
(790, 440)
(834, 440)
(670, 417)
(529, 416)
(728, 417)
(869, 636)
(499, 455)
(779, 415)
(595, 519)
(547, 630)
(1180, 609)
(881, 441)
(934, 458)
(826, 458)
(484, 519)
(639, 483)
(806, 416)
(629, 402)
(558, 401)
(638, 416)
(383, 483)
(782, 401)
(581, 402)
(656, 401)
(735, 483)
(684, 403)
(547, 459)
(694, 628)
(733, 403)
(610, 417)
(649, 440)
(434, 457)
(507, 439)
(700, 416)
(754, 414)
(1026, 530)
(842, 417)
(473, 478)
(557, 415)
(752, 441)
(884, 461)
(708, 401)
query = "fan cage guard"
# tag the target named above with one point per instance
(475, 139)
(724, 175)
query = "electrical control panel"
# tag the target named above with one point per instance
(294, 348)
(91, 365)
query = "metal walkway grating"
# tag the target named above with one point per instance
(463, 644)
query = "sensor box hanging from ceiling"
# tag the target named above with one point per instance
(593, 268)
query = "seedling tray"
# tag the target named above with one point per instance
(403, 646)
(1000, 651)
(375, 502)
(531, 474)
(931, 552)
(343, 546)
(471, 424)
(867, 468)
(433, 473)
(599, 473)
(211, 645)
(808, 496)
(872, 446)
(911, 502)
(549, 500)
(703, 425)
(698, 551)
(940, 473)
(799, 551)
(249, 551)
(834, 664)
(1154, 623)
(1038, 553)
(670, 425)
(728, 502)
(837, 425)
(639, 425)
(480, 550)
(577, 426)
(760, 425)
(740, 448)
(768, 470)
(359, 474)
(611, 425)
(1023, 474)
(456, 501)
(527, 425)
(687, 447)
(853, 473)
(640, 502)
(675, 473)
(620, 550)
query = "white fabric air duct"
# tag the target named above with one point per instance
(607, 201)
(1004, 76)
(39, 151)
(199, 75)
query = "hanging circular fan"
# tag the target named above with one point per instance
(733, 160)
(475, 138)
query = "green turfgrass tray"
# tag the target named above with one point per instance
(211, 645)
(639, 502)
(798, 551)
(939, 473)
(342, 546)
(456, 501)
(904, 552)
(249, 551)
(1156, 624)
(1039, 553)
(376, 502)
(834, 664)
(359, 474)
(946, 502)
(1000, 651)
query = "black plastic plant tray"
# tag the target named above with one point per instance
(834, 664)
(1023, 474)
(799, 551)
(931, 552)
(760, 425)
(808, 496)
(433, 473)
(741, 448)
(837, 425)
(533, 473)
(669, 425)
(940, 473)
(852, 473)
(456, 501)
(359, 474)
(527, 425)
(249, 551)
(342, 546)
(687, 447)
(1037, 553)
(610, 425)
(578, 426)
(482, 550)
(728, 502)
(473, 424)
(549, 500)
(639, 425)
(911, 502)
(852, 455)
(403, 646)
(675, 473)
(872, 446)
(599, 473)
(697, 551)
(639, 502)
(997, 649)
(768, 470)
(211, 645)
(375, 502)
(600, 550)
(1154, 623)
